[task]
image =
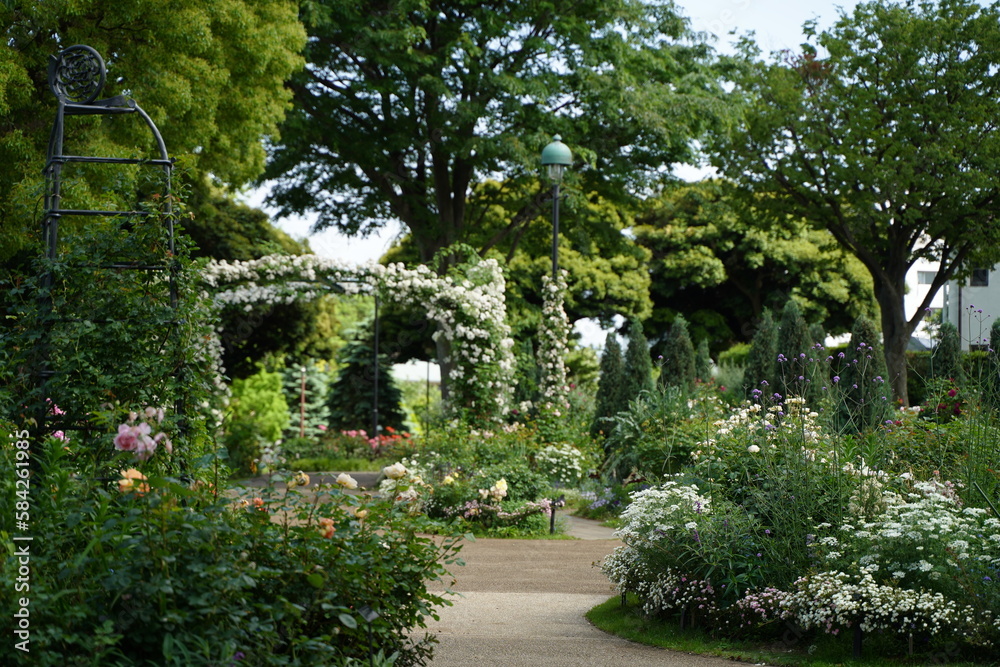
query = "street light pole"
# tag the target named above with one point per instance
(556, 156)
(555, 230)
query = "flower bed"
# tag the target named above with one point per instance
(777, 524)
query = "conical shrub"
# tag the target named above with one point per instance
(678, 364)
(610, 386)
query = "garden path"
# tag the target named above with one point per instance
(522, 603)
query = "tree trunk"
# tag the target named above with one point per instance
(896, 332)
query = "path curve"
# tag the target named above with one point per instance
(522, 603)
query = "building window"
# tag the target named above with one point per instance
(980, 278)
(925, 277)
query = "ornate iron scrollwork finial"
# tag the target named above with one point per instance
(77, 74)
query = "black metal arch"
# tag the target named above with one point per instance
(76, 76)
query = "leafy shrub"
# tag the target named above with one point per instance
(162, 572)
(259, 415)
(523, 482)
(737, 354)
(779, 521)
(659, 431)
(323, 464)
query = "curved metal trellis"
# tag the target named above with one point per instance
(76, 77)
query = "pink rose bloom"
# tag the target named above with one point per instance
(126, 439)
(167, 445)
(135, 439)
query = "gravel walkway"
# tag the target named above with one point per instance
(522, 603)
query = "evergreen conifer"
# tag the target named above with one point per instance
(350, 398)
(791, 363)
(863, 390)
(763, 351)
(946, 360)
(678, 368)
(703, 361)
(610, 386)
(305, 387)
(638, 364)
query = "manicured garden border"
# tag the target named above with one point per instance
(629, 622)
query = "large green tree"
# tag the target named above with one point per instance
(406, 104)
(720, 259)
(883, 130)
(607, 269)
(210, 74)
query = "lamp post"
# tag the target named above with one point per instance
(556, 156)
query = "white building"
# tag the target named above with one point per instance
(918, 282)
(972, 304)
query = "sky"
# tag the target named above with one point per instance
(776, 24)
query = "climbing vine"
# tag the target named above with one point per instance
(553, 335)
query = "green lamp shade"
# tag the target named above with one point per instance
(557, 153)
(556, 156)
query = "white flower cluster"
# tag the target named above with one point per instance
(471, 312)
(563, 463)
(834, 600)
(655, 512)
(928, 534)
(403, 481)
(272, 267)
(752, 428)
(552, 348)
(630, 573)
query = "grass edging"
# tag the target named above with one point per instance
(629, 622)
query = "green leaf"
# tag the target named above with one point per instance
(348, 621)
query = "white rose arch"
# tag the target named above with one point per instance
(468, 307)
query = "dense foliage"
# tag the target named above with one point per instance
(760, 362)
(677, 363)
(154, 569)
(880, 130)
(774, 521)
(351, 397)
(210, 75)
(403, 108)
(609, 401)
(720, 258)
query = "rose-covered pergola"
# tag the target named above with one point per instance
(468, 306)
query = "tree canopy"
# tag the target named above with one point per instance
(210, 75)
(720, 259)
(406, 104)
(883, 130)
